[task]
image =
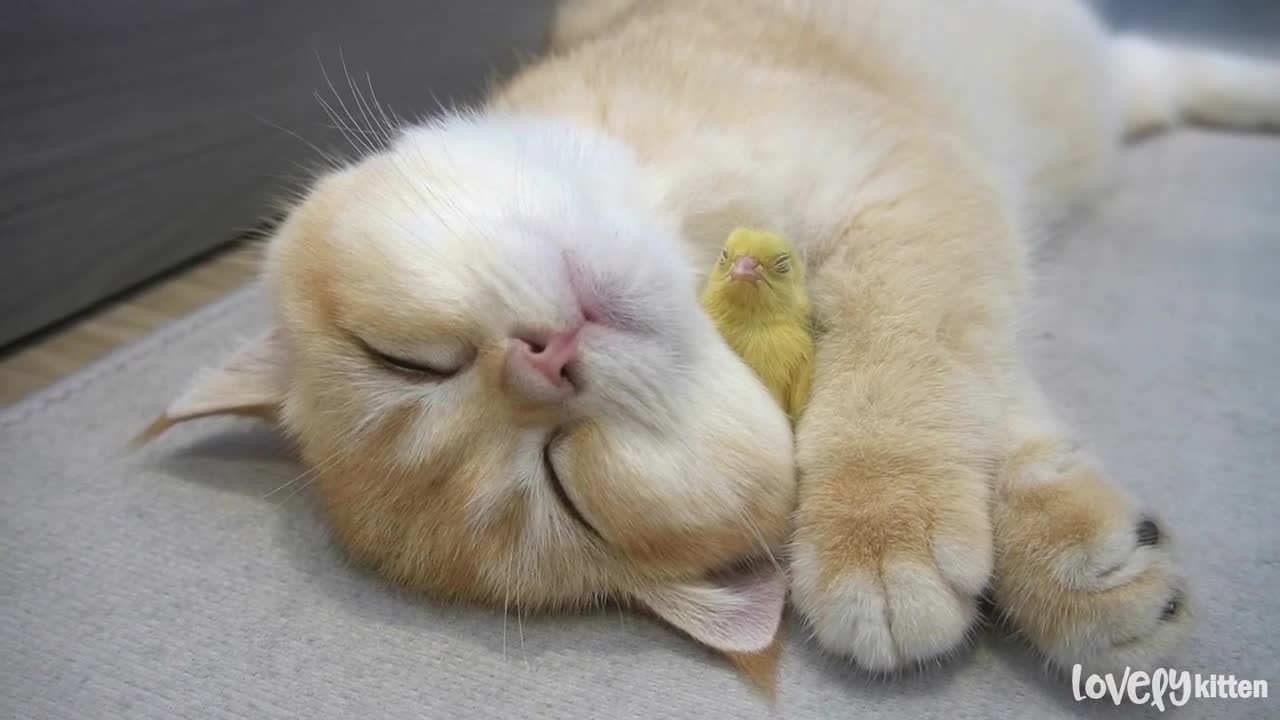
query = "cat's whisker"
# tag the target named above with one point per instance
(373, 115)
(311, 474)
(357, 136)
(506, 601)
(367, 146)
(299, 489)
(520, 627)
(386, 122)
(333, 162)
(350, 135)
(362, 131)
(314, 471)
(295, 479)
(347, 133)
(358, 98)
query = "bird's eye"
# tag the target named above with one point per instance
(724, 256)
(782, 264)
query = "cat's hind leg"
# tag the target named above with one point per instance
(1081, 569)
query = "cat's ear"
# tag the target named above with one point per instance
(737, 614)
(250, 382)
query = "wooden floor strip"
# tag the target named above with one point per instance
(53, 354)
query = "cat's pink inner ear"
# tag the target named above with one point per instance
(739, 613)
(252, 381)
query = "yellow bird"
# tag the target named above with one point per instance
(757, 299)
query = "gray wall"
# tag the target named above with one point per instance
(1249, 24)
(135, 134)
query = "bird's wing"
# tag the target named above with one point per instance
(798, 393)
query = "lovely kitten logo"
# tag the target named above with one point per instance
(1178, 686)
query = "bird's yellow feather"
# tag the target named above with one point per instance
(766, 319)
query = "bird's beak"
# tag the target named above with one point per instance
(745, 268)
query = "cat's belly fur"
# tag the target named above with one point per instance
(748, 118)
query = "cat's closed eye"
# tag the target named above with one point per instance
(442, 367)
(553, 478)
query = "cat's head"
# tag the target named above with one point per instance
(489, 353)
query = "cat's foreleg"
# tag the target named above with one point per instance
(893, 540)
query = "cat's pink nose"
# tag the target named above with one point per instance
(745, 268)
(549, 355)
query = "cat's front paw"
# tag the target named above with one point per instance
(1081, 573)
(889, 556)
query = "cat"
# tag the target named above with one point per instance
(488, 346)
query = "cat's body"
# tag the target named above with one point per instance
(759, 118)
(910, 149)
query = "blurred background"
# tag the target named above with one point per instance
(142, 142)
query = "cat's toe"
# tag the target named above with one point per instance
(891, 550)
(1136, 628)
(901, 616)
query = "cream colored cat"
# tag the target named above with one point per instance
(490, 352)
